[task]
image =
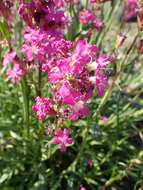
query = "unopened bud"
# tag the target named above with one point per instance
(120, 40)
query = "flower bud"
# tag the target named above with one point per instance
(120, 40)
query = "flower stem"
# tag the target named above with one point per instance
(39, 80)
(25, 93)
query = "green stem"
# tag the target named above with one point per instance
(86, 5)
(25, 93)
(39, 80)
(109, 22)
(72, 166)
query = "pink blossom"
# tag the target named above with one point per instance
(92, 1)
(62, 47)
(9, 58)
(44, 15)
(15, 74)
(79, 110)
(86, 16)
(104, 119)
(101, 81)
(62, 138)
(98, 24)
(43, 107)
(59, 3)
(67, 94)
(73, 83)
(82, 188)
(83, 49)
(104, 60)
(69, 67)
(101, 74)
(130, 10)
(37, 45)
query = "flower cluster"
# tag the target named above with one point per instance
(74, 76)
(73, 72)
(75, 69)
(45, 15)
(89, 17)
(43, 107)
(40, 46)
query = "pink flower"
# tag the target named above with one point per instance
(101, 80)
(98, 24)
(80, 109)
(67, 94)
(9, 58)
(59, 3)
(83, 49)
(44, 15)
(43, 107)
(37, 44)
(86, 16)
(62, 47)
(104, 119)
(82, 188)
(15, 74)
(130, 10)
(101, 74)
(92, 1)
(62, 138)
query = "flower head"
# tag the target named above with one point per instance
(62, 138)
(86, 16)
(43, 107)
(16, 73)
(130, 10)
(98, 24)
(9, 57)
(45, 15)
